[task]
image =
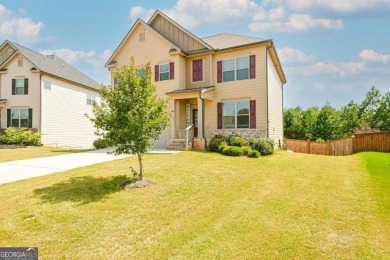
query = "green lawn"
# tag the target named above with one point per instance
(206, 206)
(7, 155)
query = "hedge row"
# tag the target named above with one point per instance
(235, 145)
(20, 136)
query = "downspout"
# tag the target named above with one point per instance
(266, 87)
(40, 102)
(203, 115)
(282, 142)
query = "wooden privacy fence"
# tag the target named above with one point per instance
(378, 141)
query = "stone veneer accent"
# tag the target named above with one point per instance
(198, 144)
(245, 133)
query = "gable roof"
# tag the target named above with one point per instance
(111, 60)
(158, 12)
(229, 40)
(54, 66)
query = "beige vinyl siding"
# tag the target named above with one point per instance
(20, 101)
(206, 72)
(156, 51)
(275, 103)
(182, 73)
(63, 119)
(248, 89)
(176, 35)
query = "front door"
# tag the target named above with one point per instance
(195, 121)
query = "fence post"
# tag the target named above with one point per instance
(328, 147)
(308, 146)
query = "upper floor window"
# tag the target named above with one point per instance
(236, 69)
(20, 86)
(47, 84)
(164, 71)
(91, 99)
(197, 70)
(140, 72)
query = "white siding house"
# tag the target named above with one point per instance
(46, 93)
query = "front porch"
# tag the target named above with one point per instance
(187, 130)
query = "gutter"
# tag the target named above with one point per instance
(266, 87)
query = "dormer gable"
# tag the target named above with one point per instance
(176, 33)
(6, 51)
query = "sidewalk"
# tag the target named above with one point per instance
(29, 168)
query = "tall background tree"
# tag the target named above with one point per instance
(329, 123)
(131, 114)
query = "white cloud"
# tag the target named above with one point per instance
(372, 56)
(295, 23)
(341, 6)
(321, 68)
(21, 29)
(73, 56)
(140, 12)
(291, 55)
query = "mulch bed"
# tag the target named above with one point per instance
(11, 146)
(137, 183)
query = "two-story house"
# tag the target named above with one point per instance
(46, 93)
(220, 84)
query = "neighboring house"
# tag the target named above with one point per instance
(221, 84)
(46, 93)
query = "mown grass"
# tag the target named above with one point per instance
(7, 155)
(206, 206)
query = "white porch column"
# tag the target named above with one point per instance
(200, 118)
(173, 117)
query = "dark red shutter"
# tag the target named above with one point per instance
(252, 119)
(200, 70)
(8, 117)
(171, 70)
(194, 70)
(30, 118)
(26, 86)
(219, 112)
(252, 66)
(156, 73)
(219, 71)
(13, 86)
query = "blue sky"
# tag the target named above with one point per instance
(331, 51)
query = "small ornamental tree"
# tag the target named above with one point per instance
(131, 114)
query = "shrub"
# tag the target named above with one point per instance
(216, 142)
(235, 140)
(221, 147)
(232, 151)
(101, 143)
(20, 136)
(265, 146)
(253, 154)
(246, 150)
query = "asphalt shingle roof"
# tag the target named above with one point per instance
(229, 40)
(53, 65)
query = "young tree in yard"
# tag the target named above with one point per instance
(327, 125)
(131, 114)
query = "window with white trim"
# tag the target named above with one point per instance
(91, 99)
(235, 69)
(236, 115)
(164, 72)
(19, 86)
(47, 84)
(19, 117)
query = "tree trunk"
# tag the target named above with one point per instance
(141, 167)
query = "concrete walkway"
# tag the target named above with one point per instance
(29, 168)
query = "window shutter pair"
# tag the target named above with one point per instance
(171, 71)
(252, 115)
(197, 70)
(29, 117)
(14, 86)
(252, 68)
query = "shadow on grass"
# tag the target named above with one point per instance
(82, 190)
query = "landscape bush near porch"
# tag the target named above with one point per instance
(235, 145)
(20, 136)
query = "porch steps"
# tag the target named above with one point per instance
(178, 144)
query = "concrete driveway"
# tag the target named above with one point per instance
(29, 168)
